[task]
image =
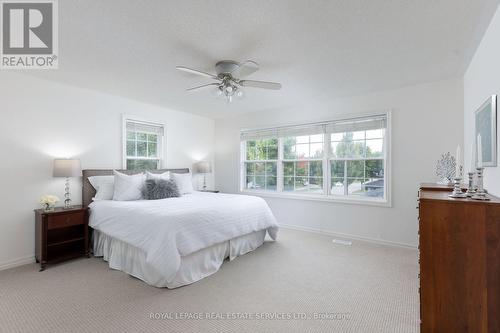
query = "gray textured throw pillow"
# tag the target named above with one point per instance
(155, 189)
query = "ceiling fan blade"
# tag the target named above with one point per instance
(202, 86)
(196, 72)
(246, 68)
(260, 84)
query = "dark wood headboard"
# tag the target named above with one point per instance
(88, 191)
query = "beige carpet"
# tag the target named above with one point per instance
(362, 288)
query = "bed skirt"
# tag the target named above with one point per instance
(194, 267)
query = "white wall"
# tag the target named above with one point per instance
(481, 80)
(42, 120)
(426, 121)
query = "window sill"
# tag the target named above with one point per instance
(313, 197)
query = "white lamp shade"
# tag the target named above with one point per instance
(203, 167)
(67, 168)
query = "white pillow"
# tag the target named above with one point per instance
(106, 192)
(104, 186)
(157, 176)
(127, 187)
(184, 182)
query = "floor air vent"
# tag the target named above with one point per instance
(342, 242)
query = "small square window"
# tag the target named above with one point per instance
(142, 145)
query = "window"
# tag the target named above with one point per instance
(357, 163)
(344, 159)
(142, 145)
(261, 164)
(302, 163)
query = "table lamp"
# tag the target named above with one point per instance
(203, 167)
(67, 168)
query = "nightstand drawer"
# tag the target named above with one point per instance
(65, 220)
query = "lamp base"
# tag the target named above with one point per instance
(67, 204)
(67, 195)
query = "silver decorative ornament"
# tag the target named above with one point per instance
(445, 169)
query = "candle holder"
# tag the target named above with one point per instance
(457, 189)
(480, 192)
(470, 188)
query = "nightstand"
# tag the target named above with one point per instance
(61, 234)
(210, 191)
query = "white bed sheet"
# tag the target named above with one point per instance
(167, 230)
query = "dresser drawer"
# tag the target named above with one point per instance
(65, 220)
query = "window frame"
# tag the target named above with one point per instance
(326, 196)
(161, 143)
(308, 160)
(364, 159)
(244, 162)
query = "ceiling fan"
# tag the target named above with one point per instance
(229, 75)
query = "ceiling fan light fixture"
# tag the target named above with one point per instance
(217, 91)
(229, 75)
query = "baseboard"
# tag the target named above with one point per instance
(17, 262)
(348, 236)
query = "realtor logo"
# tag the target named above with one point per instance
(29, 34)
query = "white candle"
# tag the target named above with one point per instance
(473, 158)
(479, 152)
(458, 163)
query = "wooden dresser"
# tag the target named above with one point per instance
(459, 242)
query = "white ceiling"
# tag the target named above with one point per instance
(318, 50)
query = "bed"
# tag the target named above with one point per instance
(177, 241)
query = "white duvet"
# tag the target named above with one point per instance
(171, 228)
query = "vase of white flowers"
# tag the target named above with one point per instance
(48, 202)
